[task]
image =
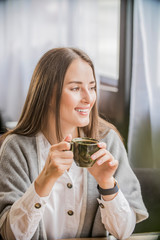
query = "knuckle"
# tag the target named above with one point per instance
(70, 161)
(53, 147)
(103, 151)
(104, 144)
(109, 154)
(70, 154)
(53, 154)
(58, 168)
(67, 145)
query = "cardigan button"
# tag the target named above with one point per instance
(37, 205)
(70, 212)
(69, 185)
(101, 205)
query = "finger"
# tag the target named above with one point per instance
(105, 158)
(62, 146)
(68, 138)
(61, 154)
(100, 153)
(60, 168)
(113, 163)
(102, 145)
(61, 162)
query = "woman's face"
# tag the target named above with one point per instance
(78, 95)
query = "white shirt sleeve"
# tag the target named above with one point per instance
(26, 213)
(117, 216)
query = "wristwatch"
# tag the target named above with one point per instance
(108, 191)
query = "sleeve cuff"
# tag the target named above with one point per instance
(44, 199)
(30, 202)
(26, 213)
(114, 205)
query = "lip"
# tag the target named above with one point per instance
(83, 108)
(82, 111)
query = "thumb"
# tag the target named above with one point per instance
(68, 138)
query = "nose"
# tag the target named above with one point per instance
(86, 96)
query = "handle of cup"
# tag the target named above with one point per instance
(71, 147)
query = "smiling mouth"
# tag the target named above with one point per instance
(80, 110)
(83, 111)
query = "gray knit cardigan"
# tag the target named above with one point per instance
(19, 166)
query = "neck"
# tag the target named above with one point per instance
(72, 131)
(49, 131)
(50, 134)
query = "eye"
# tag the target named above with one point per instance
(75, 89)
(93, 88)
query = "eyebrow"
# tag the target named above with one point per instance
(78, 82)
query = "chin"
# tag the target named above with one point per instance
(83, 124)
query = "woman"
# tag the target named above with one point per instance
(44, 195)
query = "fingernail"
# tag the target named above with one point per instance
(100, 144)
(93, 157)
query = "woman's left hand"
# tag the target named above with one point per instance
(104, 167)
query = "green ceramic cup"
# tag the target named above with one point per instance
(82, 149)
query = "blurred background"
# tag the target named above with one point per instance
(122, 37)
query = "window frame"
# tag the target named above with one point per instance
(117, 98)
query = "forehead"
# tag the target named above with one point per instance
(79, 70)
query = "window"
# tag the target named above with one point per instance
(99, 27)
(114, 98)
(108, 43)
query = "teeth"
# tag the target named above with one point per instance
(82, 110)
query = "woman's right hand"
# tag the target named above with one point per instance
(59, 160)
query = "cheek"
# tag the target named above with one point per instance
(68, 101)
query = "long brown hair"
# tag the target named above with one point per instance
(49, 74)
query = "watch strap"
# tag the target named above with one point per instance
(108, 191)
